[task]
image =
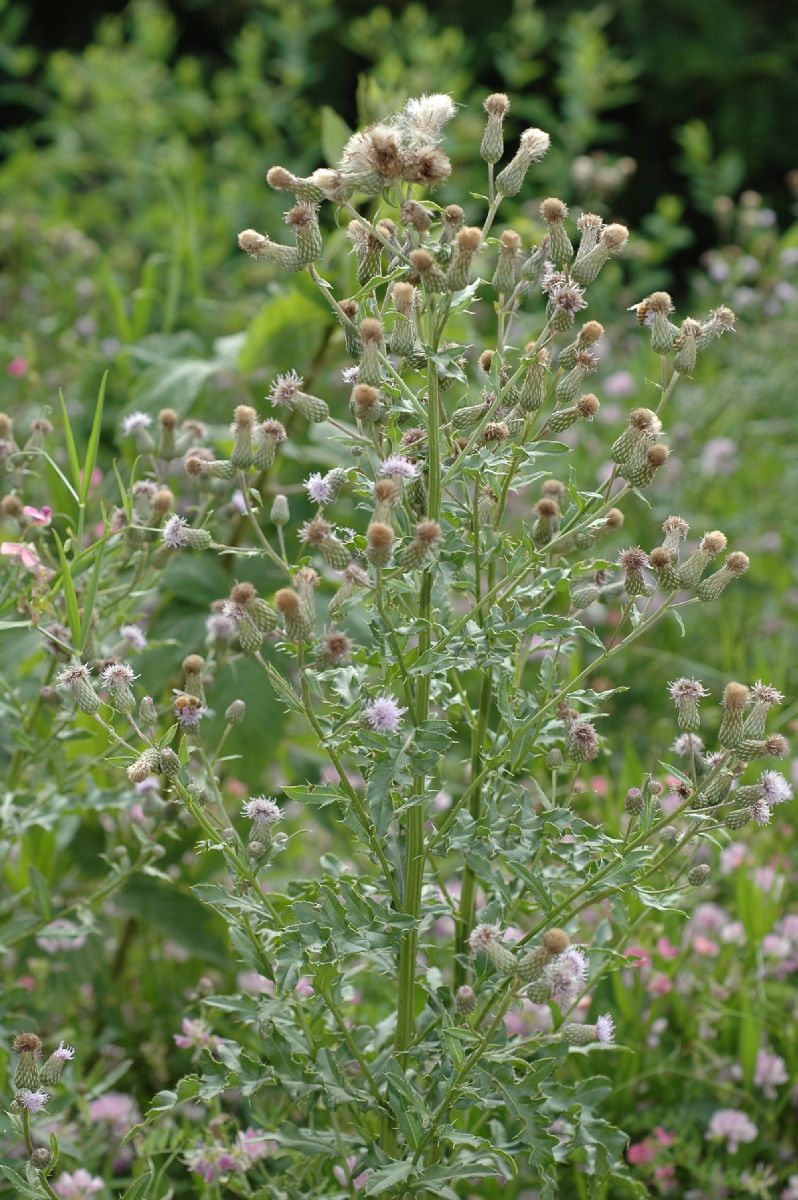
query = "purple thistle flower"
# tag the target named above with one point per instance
(285, 388)
(775, 788)
(64, 1053)
(565, 976)
(760, 811)
(384, 714)
(34, 1102)
(134, 636)
(398, 467)
(605, 1029)
(318, 489)
(174, 532)
(135, 422)
(483, 937)
(262, 810)
(117, 675)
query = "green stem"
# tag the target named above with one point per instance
(414, 824)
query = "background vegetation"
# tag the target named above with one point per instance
(135, 144)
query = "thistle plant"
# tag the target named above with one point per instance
(439, 617)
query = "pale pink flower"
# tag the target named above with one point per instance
(118, 1110)
(733, 857)
(38, 516)
(304, 987)
(733, 1127)
(640, 1153)
(79, 1185)
(27, 555)
(17, 367)
(620, 384)
(254, 984)
(769, 1073)
(345, 1176)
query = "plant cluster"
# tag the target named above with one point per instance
(435, 628)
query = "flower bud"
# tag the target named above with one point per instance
(235, 712)
(633, 803)
(698, 876)
(492, 148)
(372, 344)
(297, 626)
(554, 212)
(169, 763)
(415, 554)
(735, 702)
(28, 1046)
(380, 539)
(279, 514)
(465, 1000)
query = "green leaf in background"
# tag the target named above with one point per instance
(287, 331)
(335, 133)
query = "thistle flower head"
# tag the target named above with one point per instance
(117, 675)
(398, 467)
(553, 210)
(687, 744)
(33, 1101)
(686, 689)
(285, 388)
(174, 532)
(646, 421)
(764, 693)
(605, 1029)
(423, 119)
(497, 105)
(483, 937)
(567, 298)
(74, 673)
(534, 143)
(675, 528)
(735, 696)
(26, 1043)
(384, 714)
(633, 559)
(555, 941)
(136, 422)
(263, 810)
(775, 788)
(565, 976)
(713, 543)
(318, 488)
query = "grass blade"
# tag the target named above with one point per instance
(70, 596)
(94, 441)
(72, 450)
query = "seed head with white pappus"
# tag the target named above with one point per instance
(532, 148)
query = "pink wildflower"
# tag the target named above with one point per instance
(27, 555)
(345, 1176)
(17, 367)
(38, 516)
(733, 1127)
(78, 1186)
